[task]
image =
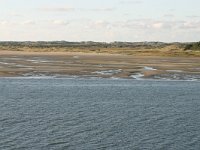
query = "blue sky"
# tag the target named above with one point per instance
(100, 20)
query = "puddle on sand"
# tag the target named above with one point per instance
(76, 57)
(6, 63)
(149, 68)
(174, 70)
(108, 72)
(137, 76)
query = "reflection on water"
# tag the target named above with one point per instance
(98, 114)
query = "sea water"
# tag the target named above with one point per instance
(87, 114)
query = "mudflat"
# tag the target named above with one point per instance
(77, 64)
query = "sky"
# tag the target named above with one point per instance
(100, 20)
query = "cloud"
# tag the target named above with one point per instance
(157, 25)
(101, 24)
(60, 22)
(153, 25)
(58, 9)
(28, 22)
(190, 25)
(68, 9)
(15, 14)
(98, 24)
(193, 16)
(103, 30)
(168, 16)
(17, 23)
(133, 24)
(4, 22)
(131, 2)
(102, 9)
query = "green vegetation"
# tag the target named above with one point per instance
(66, 44)
(193, 46)
(125, 48)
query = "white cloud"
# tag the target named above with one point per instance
(103, 30)
(4, 22)
(102, 9)
(60, 22)
(147, 24)
(58, 9)
(28, 22)
(168, 16)
(157, 25)
(15, 14)
(190, 25)
(131, 2)
(100, 24)
(194, 17)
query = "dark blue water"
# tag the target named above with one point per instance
(60, 114)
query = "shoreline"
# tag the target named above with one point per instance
(98, 78)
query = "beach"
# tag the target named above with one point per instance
(100, 65)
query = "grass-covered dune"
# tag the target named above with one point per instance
(127, 48)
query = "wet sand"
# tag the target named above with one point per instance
(71, 64)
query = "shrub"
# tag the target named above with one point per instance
(193, 46)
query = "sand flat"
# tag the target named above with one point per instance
(15, 63)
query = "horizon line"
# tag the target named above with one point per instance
(21, 41)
